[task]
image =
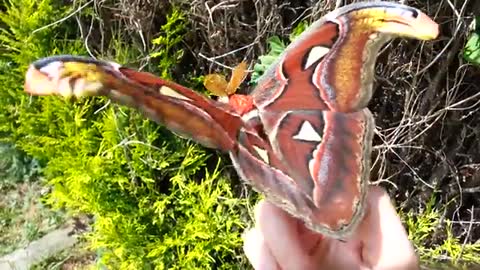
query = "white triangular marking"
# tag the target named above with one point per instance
(308, 133)
(262, 153)
(315, 54)
(250, 115)
(167, 91)
(53, 69)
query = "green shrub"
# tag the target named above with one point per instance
(168, 41)
(435, 241)
(15, 166)
(158, 201)
(276, 48)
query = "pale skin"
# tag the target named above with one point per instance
(281, 242)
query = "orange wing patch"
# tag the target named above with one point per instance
(217, 84)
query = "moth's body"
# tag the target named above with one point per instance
(302, 137)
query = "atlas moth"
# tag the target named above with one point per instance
(302, 137)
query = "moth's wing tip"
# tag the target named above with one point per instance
(38, 83)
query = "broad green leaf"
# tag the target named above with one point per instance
(471, 52)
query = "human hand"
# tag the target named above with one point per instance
(281, 242)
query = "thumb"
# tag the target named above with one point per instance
(385, 243)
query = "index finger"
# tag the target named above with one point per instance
(281, 234)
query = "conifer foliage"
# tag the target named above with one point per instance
(157, 201)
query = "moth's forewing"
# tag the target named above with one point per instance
(330, 65)
(181, 109)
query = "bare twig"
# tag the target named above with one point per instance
(64, 18)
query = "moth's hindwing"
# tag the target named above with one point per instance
(318, 161)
